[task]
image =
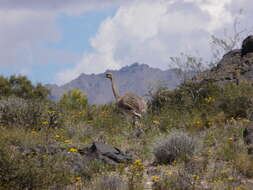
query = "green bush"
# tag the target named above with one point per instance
(188, 96)
(237, 100)
(74, 100)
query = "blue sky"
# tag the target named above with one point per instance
(75, 33)
(54, 41)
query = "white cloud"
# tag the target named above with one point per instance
(25, 25)
(151, 32)
(147, 31)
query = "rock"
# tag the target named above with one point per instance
(247, 45)
(106, 153)
(99, 151)
(231, 68)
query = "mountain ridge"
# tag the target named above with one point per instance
(136, 78)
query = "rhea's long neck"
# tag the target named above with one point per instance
(114, 90)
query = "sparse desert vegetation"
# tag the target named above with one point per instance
(191, 138)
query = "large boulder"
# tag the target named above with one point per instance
(106, 153)
(247, 45)
(96, 151)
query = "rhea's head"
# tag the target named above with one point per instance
(108, 75)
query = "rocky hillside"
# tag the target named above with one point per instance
(137, 78)
(235, 66)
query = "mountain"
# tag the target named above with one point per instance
(137, 78)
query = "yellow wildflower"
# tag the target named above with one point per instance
(44, 122)
(195, 177)
(73, 150)
(137, 162)
(137, 165)
(209, 150)
(241, 187)
(155, 178)
(78, 178)
(230, 138)
(246, 121)
(67, 141)
(57, 136)
(209, 100)
(168, 172)
(156, 122)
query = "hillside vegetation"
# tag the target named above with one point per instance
(191, 138)
(198, 136)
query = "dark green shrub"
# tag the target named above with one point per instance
(188, 96)
(236, 106)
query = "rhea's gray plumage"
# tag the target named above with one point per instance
(129, 102)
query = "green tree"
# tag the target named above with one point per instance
(22, 87)
(5, 88)
(74, 100)
(41, 92)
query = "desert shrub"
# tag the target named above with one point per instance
(80, 132)
(109, 182)
(159, 99)
(174, 146)
(16, 111)
(244, 164)
(135, 175)
(19, 171)
(221, 174)
(236, 100)
(188, 95)
(177, 180)
(88, 168)
(74, 100)
(236, 106)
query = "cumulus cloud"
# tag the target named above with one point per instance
(27, 24)
(151, 32)
(145, 31)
